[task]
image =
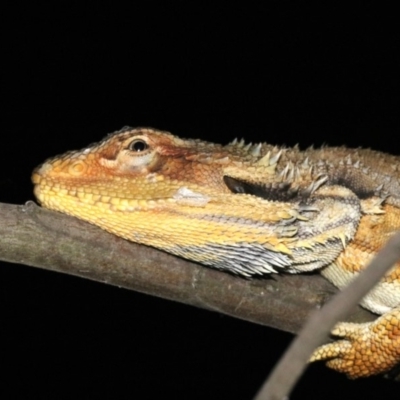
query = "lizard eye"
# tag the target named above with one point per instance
(138, 145)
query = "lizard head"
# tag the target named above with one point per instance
(151, 187)
(131, 164)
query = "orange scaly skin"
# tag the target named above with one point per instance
(247, 209)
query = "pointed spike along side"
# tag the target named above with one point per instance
(283, 249)
(308, 209)
(297, 173)
(316, 184)
(343, 239)
(303, 219)
(290, 176)
(241, 143)
(234, 142)
(270, 169)
(287, 231)
(268, 269)
(283, 174)
(357, 164)
(265, 161)
(274, 159)
(248, 146)
(256, 150)
(320, 181)
(382, 199)
(296, 214)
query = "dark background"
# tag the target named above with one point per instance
(285, 73)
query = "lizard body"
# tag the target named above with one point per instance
(247, 209)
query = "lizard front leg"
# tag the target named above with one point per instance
(370, 348)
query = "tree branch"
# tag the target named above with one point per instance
(41, 238)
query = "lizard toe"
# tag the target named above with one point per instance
(367, 349)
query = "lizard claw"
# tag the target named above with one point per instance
(367, 349)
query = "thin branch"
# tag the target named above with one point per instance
(41, 238)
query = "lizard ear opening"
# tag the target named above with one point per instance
(238, 186)
(278, 192)
(235, 185)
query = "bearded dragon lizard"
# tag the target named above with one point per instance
(248, 209)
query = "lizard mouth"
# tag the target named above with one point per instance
(37, 180)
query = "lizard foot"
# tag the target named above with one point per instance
(366, 349)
